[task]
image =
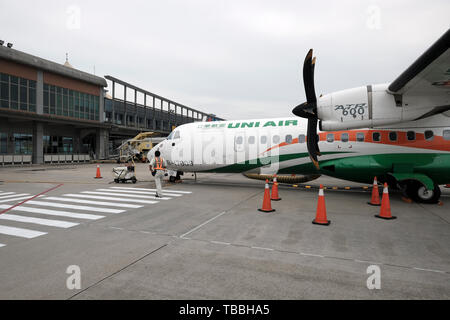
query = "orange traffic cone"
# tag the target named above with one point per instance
(275, 196)
(98, 175)
(267, 207)
(385, 210)
(321, 213)
(375, 194)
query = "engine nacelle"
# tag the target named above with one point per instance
(365, 107)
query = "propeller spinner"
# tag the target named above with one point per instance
(308, 109)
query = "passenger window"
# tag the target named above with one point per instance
(360, 136)
(276, 139)
(176, 135)
(393, 136)
(429, 135)
(376, 136)
(446, 134)
(288, 138)
(251, 140)
(263, 139)
(301, 138)
(411, 135)
(330, 137)
(344, 137)
(239, 140)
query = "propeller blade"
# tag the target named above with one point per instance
(308, 77)
(308, 109)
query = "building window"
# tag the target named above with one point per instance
(23, 143)
(360, 136)
(429, 135)
(67, 102)
(344, 137)
(411, 135)
(393, 136)
(376, 136)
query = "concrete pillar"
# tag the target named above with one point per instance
(101, 143)
(38, 143)
(40, 93)
(77, 142)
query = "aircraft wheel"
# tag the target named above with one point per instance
(420, 193)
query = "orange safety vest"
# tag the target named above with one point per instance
(159, 163)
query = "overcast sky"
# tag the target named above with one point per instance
(237, 59)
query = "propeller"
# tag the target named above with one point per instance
(308, 109)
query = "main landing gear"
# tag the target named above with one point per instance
(419, 193)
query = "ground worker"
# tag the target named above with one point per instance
(158, 165)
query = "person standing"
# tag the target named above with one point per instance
(158, 164)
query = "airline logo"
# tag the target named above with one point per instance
(250, 124)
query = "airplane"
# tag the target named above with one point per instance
(398, 132)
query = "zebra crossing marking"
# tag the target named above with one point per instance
(142, 192)
(116, 200)
(55, 212)
(20, 232)
(44, 222)
(147, 189)
(14, 195)
(6, 193)
(125, 195)
(108, 198)
(71, 206)
(100, 203)
(15, 199)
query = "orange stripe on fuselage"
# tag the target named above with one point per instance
(438, 143)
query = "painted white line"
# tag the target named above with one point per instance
(145, 189)
(71, 206)
(369, 262)
(220, 242)
(262, 248)
(204, 223)
(311, 255)
(140, 192)
(124, 195)
(431, 270)
(14, 195)
(100, 203)
(19, 232)
(107, 198)
(55, 212)
(15, 199)
(2, 245)
(6, 193)
(44, 222)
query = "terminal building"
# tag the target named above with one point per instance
(51, 112)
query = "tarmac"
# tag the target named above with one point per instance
(207, 240)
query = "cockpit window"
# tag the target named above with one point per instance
(177, 135)
(169, 137)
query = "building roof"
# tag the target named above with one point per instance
(50, 66)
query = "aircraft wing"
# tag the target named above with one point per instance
(427, 81)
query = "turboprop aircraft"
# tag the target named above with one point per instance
(399, 132)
